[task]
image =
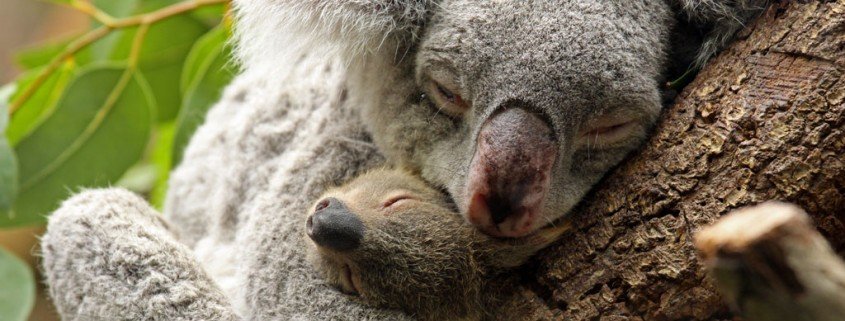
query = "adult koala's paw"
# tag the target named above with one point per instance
(107, 255)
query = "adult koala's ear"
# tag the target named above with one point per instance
(721, 19)
(270, 30)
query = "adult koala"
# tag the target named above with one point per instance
(516, 108)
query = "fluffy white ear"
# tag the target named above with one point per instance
(273, 32)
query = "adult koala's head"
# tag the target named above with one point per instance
(516, 108)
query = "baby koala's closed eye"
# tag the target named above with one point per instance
(395, 242)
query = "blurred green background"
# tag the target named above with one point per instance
(95, 93)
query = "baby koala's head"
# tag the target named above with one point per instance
(395, 242)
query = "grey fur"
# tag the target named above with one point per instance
(319, 77)
(583, 64)
(571, 61)
(266, 151)
(720, 19)
(109, 256)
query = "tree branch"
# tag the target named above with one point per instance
(772, 265)
(109, 24)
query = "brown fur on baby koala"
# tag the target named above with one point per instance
(400, 244)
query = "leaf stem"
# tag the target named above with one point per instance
(92, 11)
(137, 44)
(164, 13)
(109, 24)
(54, 64)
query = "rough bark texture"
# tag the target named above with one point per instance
(763, 121)
(771, 265)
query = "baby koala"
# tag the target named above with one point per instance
(395, 242)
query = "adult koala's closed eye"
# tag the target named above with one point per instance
(516, 108)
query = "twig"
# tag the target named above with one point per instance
(109, 24)
(54, 64)
(772, 265)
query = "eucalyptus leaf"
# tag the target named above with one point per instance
(139, 178)
(119, 9)
(8, 175)
(162, 57)
(205, 46)
(125, 8)
(207, 72)
(17, 282)
(31, 58)
(100, 128)
(8, 161)
(163, 53)
(210, 15)
(6, 93)
(41, 104)
(161, 157)
(91, 119)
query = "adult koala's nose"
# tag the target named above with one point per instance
(510, 172)
(334, 226)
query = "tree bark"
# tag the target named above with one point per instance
(763, 121)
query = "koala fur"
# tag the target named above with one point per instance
(332, 88)
(415, 253)
(234, 208)
(592, 71)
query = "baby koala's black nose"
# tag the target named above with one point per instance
(334, 226)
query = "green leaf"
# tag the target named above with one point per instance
(162, 57)
(125, 8)
(163, 53)
(149, 176)
(99, 129)
(212, 43)
(207, 72)
(41, 104)
(8, 161)
(31, 58)
(18, 288)
(8, 175)
(139, 178)
(6, 93)
(162, 159)
(210, 15)
(118, 9)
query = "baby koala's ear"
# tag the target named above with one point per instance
(350, 28)
(513, 253)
